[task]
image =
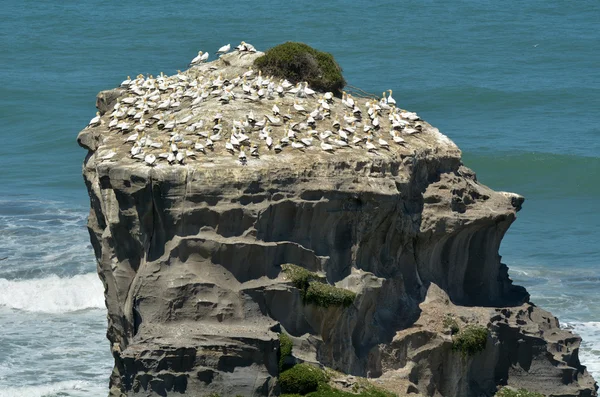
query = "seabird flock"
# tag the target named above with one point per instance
(284, 117)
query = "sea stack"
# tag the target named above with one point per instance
(224, 227)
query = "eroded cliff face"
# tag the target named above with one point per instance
(190, 255)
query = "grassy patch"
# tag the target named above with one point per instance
(285, 349)
(471, 340)
(451, 324)
(518, 393)
(299, 62)
(306, 380)
(326, 295)
(315, 291)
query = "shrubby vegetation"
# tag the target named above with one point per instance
(306, 380)
(518, 393)
(471, 340)
(301, 379)
(315, 291)
(451, 324)
(299, 62)
(285, 349)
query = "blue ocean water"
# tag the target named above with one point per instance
(515, 84)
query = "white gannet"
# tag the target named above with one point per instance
(275, 109)
(370, 146)
(95, 121)
(223, 50)
(242, 157)
(326, 147)
(127, 82)
(229, 147)
(299, 108)
(201, 57)
(297, 145)
(132, 138)
(113, 123)
(180, 156)
(390, 100)
(398, 139)
(328, 96)
(308, 91)
(325, 134)
(135, 150)
(383, 144)
(340, 143)
(307, 141)
(150, 159)
(109, 155)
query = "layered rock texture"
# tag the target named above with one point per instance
(190, 249)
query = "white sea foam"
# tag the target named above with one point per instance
(589, 352)
(65, 388)
(53, 294)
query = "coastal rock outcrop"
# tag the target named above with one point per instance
(190, 236)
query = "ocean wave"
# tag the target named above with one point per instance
(65, 388)
(53, 294)
(589, 352)
(43, 237)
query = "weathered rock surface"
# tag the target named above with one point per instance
(190, 256)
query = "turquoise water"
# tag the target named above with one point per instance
(515, 84)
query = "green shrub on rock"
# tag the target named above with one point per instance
(451, 324)
(471, 340)
(314, 290)
(326, 295)
(301, 379)
(517, 393)
(285, 349)
(299, 62)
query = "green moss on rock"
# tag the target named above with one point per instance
(301, 379)
(326, 295)
(315, 291)
(298, 62)
(517, 393)
(285, 349)
(471, 340)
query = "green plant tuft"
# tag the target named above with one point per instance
(471, 340)
(299, 62)
(285, 349)
(326, 295)
(518, 393)
(314, 290)
(299, 276)
(301, 379)
(451, 324)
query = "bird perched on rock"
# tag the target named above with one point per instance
(201, 57)
(223, 50)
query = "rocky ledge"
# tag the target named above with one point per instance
(202, 191)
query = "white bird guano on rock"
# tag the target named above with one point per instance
(215, 109)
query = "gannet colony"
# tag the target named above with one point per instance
(227, 107)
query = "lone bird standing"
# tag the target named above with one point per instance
(223, 50)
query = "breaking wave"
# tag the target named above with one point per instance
(53, 294)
